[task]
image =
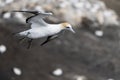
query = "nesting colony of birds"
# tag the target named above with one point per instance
(73, 11)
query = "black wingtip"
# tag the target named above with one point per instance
(42, 44)
(15, 34)
(32, 12)
(16, 11)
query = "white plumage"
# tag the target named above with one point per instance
(39, 32)
(39, 28)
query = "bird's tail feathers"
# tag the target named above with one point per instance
(16, 34)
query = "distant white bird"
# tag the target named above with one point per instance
(39, 28)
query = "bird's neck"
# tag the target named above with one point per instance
(55, 28)
(58, 26)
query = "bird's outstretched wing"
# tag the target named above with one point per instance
(32, 12)
(37, 19)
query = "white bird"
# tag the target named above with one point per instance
(39, 28)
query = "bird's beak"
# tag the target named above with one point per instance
(71, 29)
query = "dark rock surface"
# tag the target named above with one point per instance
(82, 53)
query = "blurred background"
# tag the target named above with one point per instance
(93, 53)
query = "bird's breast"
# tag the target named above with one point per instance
(43, 32)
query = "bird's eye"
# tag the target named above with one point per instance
(67, 27)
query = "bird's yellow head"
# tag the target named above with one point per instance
(67, 26)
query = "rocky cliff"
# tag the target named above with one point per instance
(90, 54)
